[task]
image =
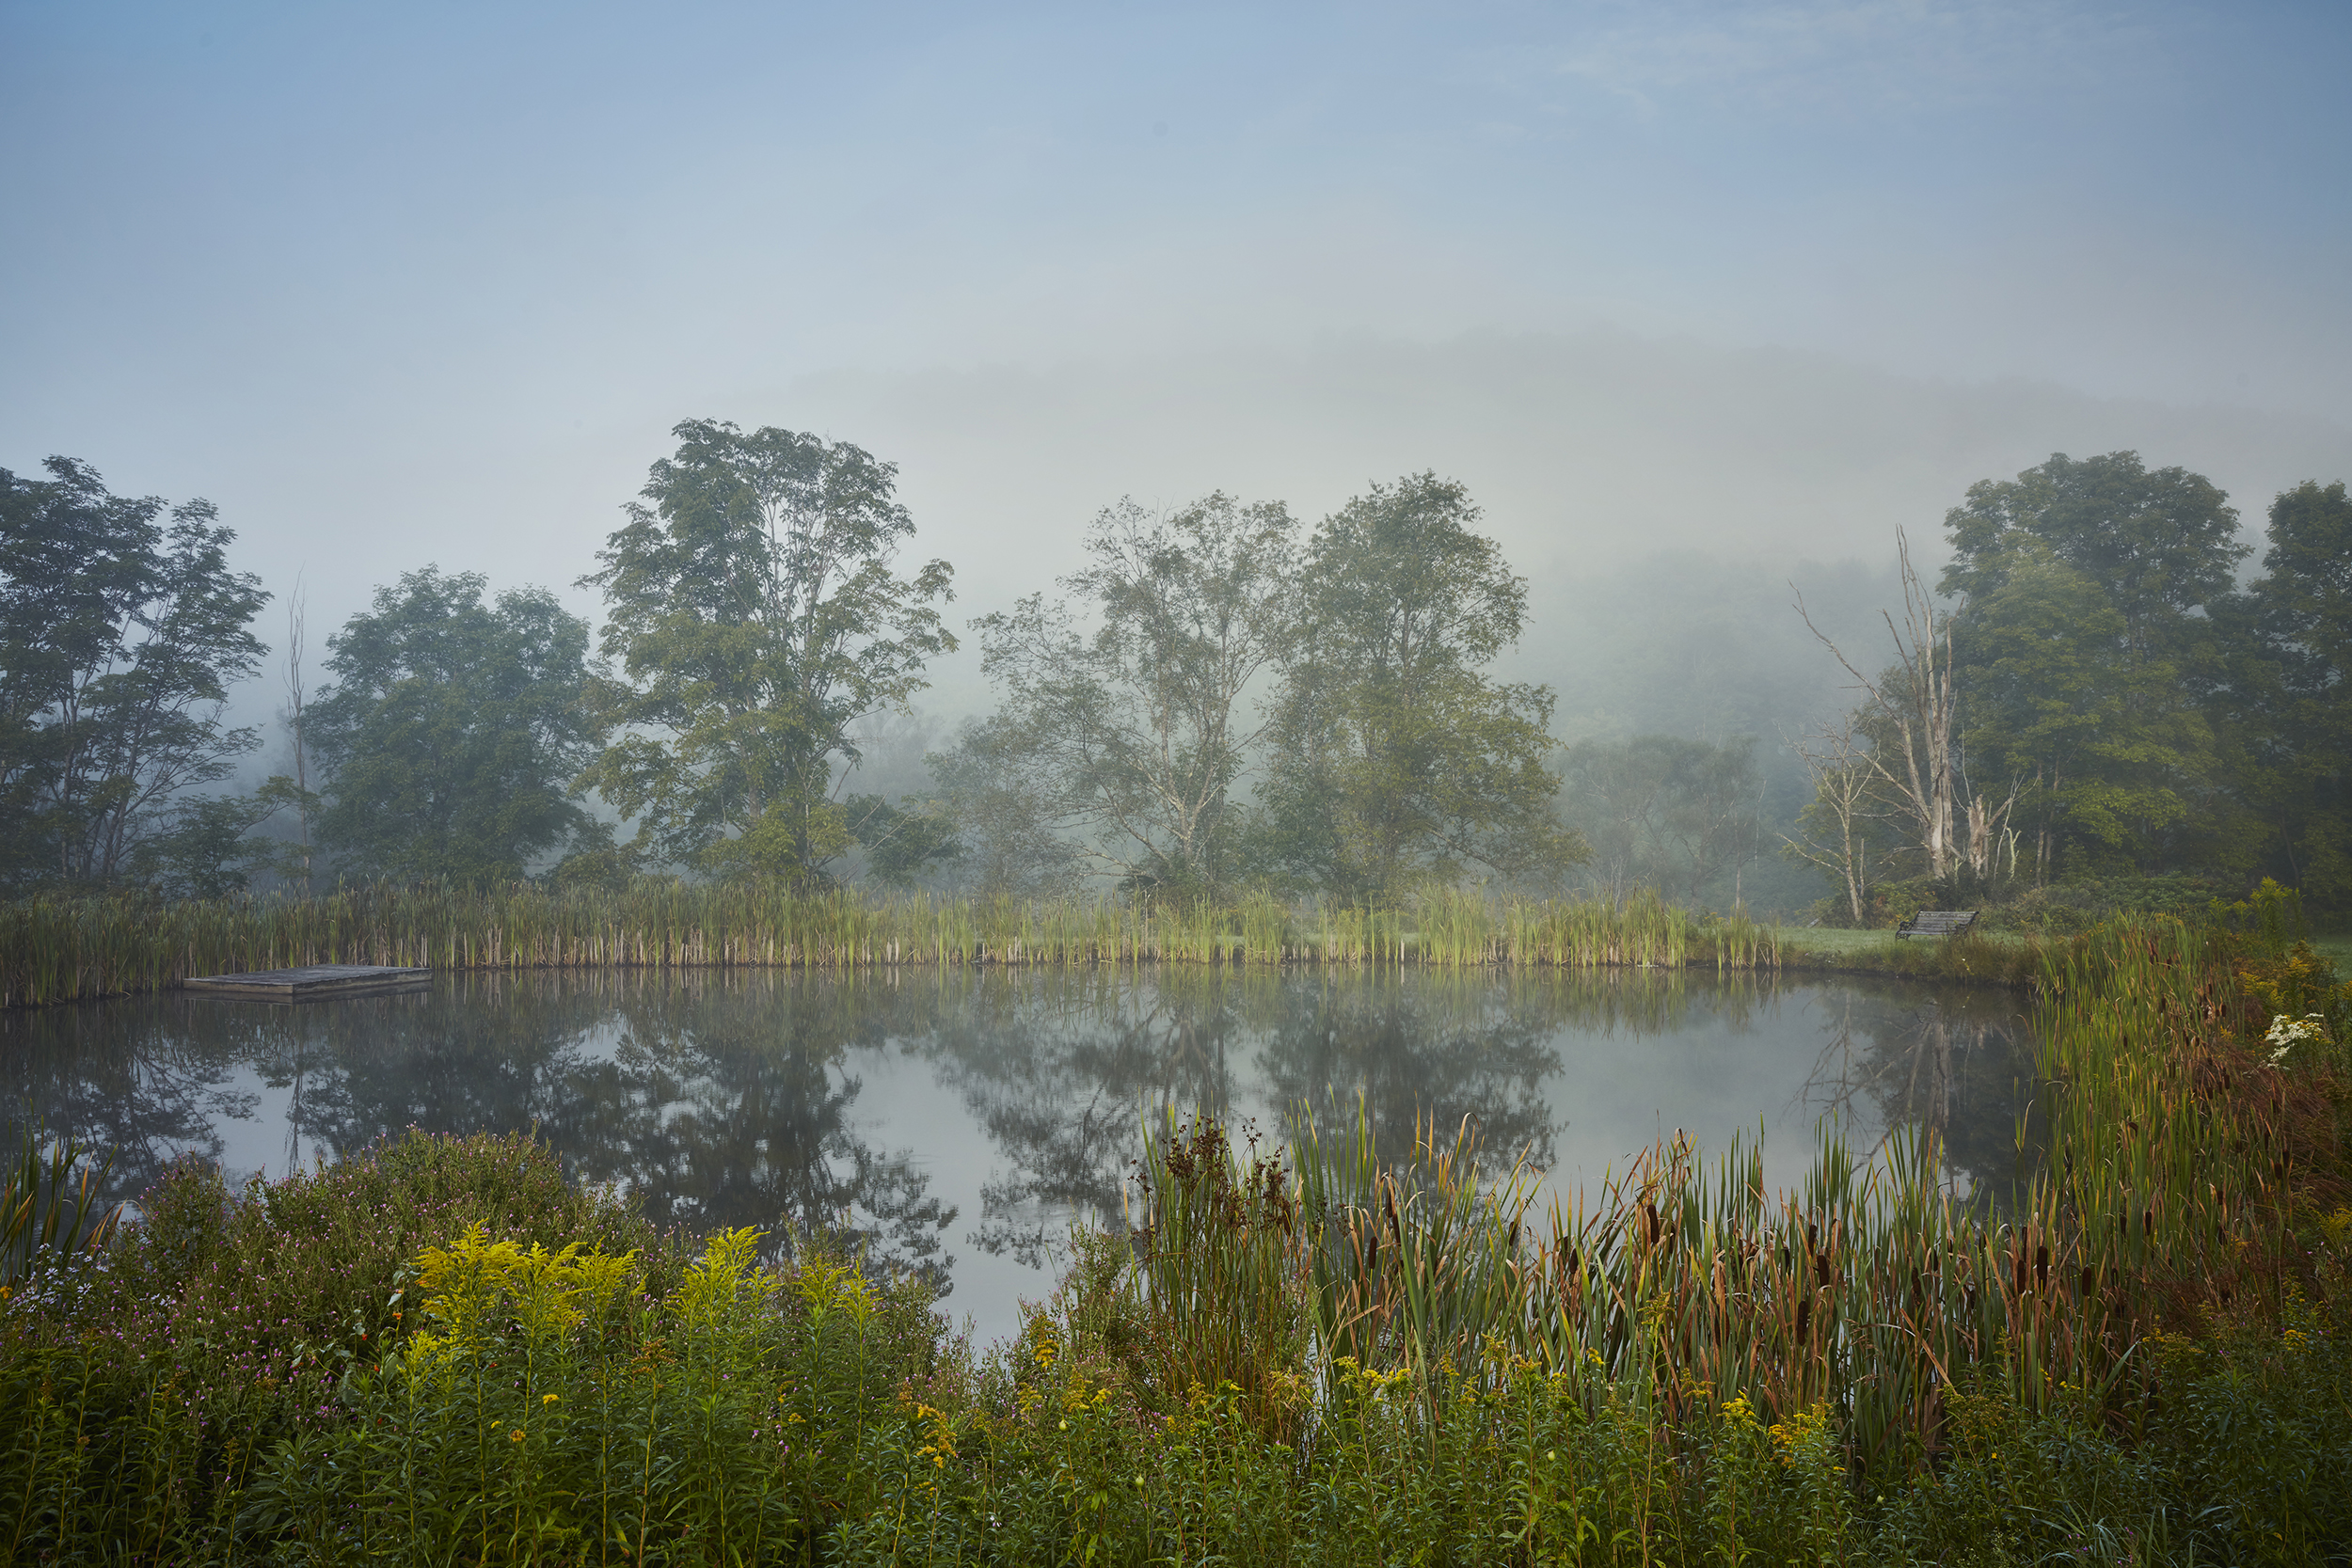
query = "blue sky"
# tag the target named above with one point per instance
(392, 284)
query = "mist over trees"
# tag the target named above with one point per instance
(1218, 699)
(1127, 704)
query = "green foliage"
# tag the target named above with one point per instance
(1003, 798)
(49, 1207)
(754, 615)
(1395, 761)
(221, 1325)
(2125, 712)
(62, 949)
(119, 637)
(204, 847)
(2065, 909)
(902, 842)
(452, 736)
(1135, 727)
(2087, 655)
(2292, 680)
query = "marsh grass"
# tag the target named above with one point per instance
(60, 949)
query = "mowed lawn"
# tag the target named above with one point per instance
(1842, 943)
(2335, 946)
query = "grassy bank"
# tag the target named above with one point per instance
(438, 1352)
(64, 949)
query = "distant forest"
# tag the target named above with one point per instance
(2105, 699)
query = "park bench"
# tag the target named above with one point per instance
(1937, 923)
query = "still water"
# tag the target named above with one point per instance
(963, 1120)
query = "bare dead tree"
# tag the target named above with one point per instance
(1845, 788)
(1987, 831)
(1913, 703)
(295, 609)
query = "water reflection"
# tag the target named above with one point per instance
(1013, 1098)
(1956, 1059)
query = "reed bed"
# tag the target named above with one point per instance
(63, 949)
(2175, 1161)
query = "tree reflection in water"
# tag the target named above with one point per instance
(719, 1099)
(1955, 1060)
(734, 1098)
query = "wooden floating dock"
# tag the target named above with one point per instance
(315, 983)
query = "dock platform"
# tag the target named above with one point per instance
(315, 983)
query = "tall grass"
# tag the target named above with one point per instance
(60, 949)
(2172, 1154)
(49, 1204)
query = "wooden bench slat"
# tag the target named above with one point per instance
(1936, 923)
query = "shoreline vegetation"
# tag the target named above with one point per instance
(55, 949)
(437, 1350)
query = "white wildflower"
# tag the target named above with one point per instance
(2286, 1033)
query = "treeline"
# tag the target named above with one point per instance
(1220, 700)
(2102, 702)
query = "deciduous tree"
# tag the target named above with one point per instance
(756, 618)
(1663, 811)
(1396, 757)
(120, 634)
(2122, 563)
(453, 732)
(1127, 700)
(2290, 710)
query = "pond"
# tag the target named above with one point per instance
(962, 1119)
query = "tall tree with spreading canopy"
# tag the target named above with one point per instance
(453, 732)
(1128, 699)
(121, 633)
(2290, 706)
(754, 616)
(1395, 759)
(2122, 563)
